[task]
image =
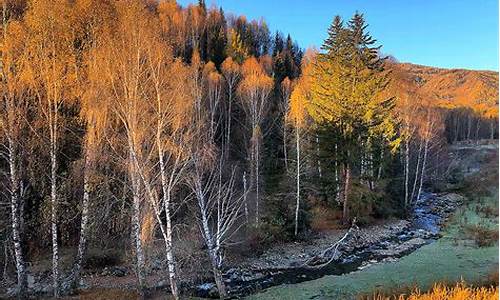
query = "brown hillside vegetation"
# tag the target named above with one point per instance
(450, 88)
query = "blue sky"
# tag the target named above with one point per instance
(441, 33)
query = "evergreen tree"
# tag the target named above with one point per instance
(348, 79)
(334, 35)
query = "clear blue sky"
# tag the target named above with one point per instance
(442, 33)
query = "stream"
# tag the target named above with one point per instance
(424, 227)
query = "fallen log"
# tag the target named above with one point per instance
(329, 253)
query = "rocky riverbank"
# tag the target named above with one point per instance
(366, 246)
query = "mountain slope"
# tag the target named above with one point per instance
(445, 87)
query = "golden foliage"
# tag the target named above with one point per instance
(51, 62)
(255, 83)
(300, 98)
(440, 292)
(12, 51)
(230, 67)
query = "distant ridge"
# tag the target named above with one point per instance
(444, 87)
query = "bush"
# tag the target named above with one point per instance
(98, 258)
(487, 211)
(482, 235)
(324, 217)
(368, 205)
(279, 217)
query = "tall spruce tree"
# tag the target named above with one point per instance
(347, 80)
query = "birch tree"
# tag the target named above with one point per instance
(124, 72)
(51, 72)
(220, 208)
(231, 73)
(150, 97)
(254, 91)
(173, 113)
(92, 21)
(430, 132)
(13, 109)
(297, 117)
(286, 90)
(213, 89)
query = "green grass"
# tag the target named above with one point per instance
(450, 259)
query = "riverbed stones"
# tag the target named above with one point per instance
(398, 250)
(115, 271)
(207, 290)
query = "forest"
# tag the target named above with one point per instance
(144, 131)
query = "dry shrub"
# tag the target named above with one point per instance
(492, 278)
(325, 218)
(487, 211)
(479, 185)
(441, 292)
(481, 235)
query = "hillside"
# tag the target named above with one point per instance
(446, 87)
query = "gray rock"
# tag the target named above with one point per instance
(156, 264)
(46, 288)
(31, 281)
(207, 290)
(114, 271)
(83, 284)
(119, 271)
(162, 283)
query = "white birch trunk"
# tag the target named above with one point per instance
(426, 149)
(370, 170)
(297, 144)
(407, 170)
(219, 281)
(257, 191)
(379, 172)
(319, 160)
(82, 243)
(284, 143)
(17, 217)
(212, 245)
(136, 225)
(167, 231)
(53, 197)
(219, 211)
(478, 127)
(229, 121)
(345, 209)
(245, 195)
(337, 181)
(417, 169)
(170, 251)
(16, 203)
